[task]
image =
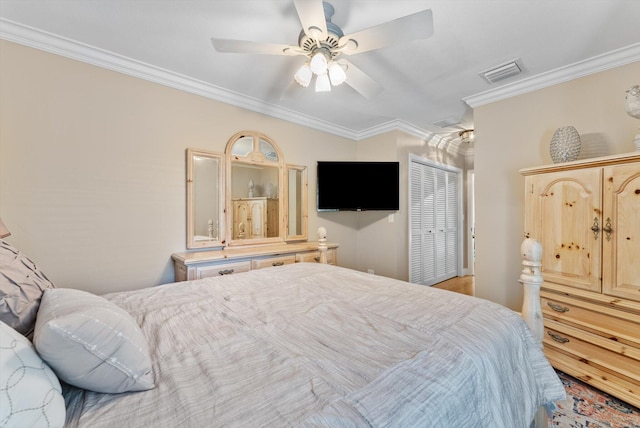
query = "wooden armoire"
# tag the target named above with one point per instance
(586, 215)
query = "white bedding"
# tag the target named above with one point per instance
(318, 345)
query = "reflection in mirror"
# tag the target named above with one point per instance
(243, 146)
(296, 203)
(255, 210)
(205, 199)
(254, 194)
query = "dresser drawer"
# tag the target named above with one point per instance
(618, 386)
(272, 261)
(604, 342)
(605, 359)
(314, 257)
(613, 324)
(222, 269)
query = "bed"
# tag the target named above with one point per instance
(300, 345)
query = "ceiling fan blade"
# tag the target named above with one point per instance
(360, 81)
(411, 27)
(243, 46)
(312, 18)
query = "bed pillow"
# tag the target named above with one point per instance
(91, 342)
(29, 390)
(21, 287)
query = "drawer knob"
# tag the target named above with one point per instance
(277, 263)
(317, 259)
(557, 337)
(558, 308)
(225, 271)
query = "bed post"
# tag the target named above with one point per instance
(322, 244)
(531, 279)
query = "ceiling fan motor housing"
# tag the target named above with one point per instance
(330, 43)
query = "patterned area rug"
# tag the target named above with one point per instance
(587, 407)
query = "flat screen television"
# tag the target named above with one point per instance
(358, 186)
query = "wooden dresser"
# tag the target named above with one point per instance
(586, 215)
(203, 264)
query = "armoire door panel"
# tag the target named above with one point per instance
(258, 224)
(621, 246)
(567, 208)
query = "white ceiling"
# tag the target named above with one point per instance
(425, 81)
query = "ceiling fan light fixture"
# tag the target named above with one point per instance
(322, 83)
(303, 75)
(336, 74)
(467, 136)
(319, 63)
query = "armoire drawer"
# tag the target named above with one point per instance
(611, 323)
(597, 356)
(620, 387)
(605, 342)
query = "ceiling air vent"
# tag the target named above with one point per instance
(502, 71)
(447, 123)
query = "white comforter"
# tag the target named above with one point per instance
(311, 345)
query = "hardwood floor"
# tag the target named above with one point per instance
(461, 284)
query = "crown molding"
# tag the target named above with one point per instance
(393, 125)
(48, 42)
(35, 38)
(616, 58)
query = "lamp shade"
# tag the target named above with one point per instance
(336, 74)
(318, 63)
(4, 232)
(322, 83)
(303, 75)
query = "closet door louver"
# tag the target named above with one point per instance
(433, 224)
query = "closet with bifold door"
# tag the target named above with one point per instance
(435, 221)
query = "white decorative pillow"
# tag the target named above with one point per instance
(29, 390)
(91, 342)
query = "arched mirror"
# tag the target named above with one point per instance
(296, 199)
(255, 208)
(205, 199)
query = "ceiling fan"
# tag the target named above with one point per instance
(325, 46)
(466, 135)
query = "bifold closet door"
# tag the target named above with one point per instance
(434, 223)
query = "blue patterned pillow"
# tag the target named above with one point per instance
(29, 390)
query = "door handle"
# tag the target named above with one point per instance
(595, 228)
(607, 229)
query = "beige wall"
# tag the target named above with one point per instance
(383, 245)
(92, 168)
(514, 134)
